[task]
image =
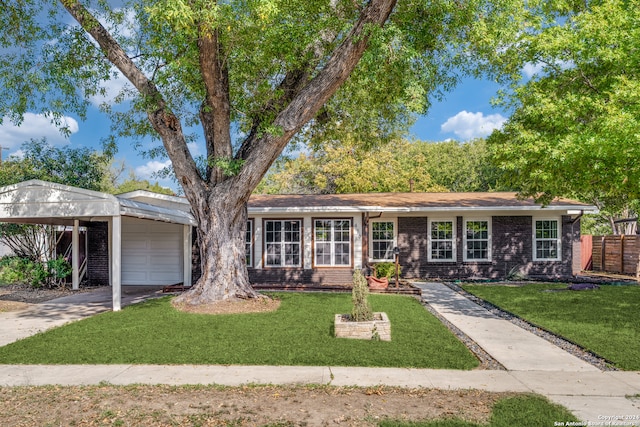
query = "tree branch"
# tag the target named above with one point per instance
(215, 110)
(162, 118)
(260, 153)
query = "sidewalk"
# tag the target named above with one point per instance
(533, 364)
(589, 395)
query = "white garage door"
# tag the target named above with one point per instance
(151, 252)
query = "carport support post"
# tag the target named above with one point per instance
(186, 250)
(75, 255)
(115, 234)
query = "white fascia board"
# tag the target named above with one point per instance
(136, 194)
(156, 213)
(156, 199)
(569, 210)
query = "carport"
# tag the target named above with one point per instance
(149, 235)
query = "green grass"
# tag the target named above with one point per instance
(300, 332)
(521, 411)
(605, 321)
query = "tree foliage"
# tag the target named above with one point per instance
(575, 126)
(78, 167)
(398, 166)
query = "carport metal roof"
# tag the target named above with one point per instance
(41, 202)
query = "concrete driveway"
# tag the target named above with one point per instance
(16, 325)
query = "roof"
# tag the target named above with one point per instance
(46, 202)
(408, 202)
(40, 200)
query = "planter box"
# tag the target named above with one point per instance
(377, 329)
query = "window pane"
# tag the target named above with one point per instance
(442, 230)
(477, 240)
(382, 240)
(546, 235)
(442, 240)
(442, 250)
(248, 243)
(282, 243)
(332, 243)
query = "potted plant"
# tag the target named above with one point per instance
(362, 322)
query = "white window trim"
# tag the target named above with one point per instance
(282, 243)
(454, 239)
(395, 238)
(250, 229)
(558, 239)
(464, 236)
(333, 242)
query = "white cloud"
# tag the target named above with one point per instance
(531, 69)
(147, 170)
(35, 126)
(112, 88)
(466, 125)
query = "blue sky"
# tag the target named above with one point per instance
(466, 113)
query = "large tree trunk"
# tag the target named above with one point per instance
(221, 241)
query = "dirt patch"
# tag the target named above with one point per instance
(237, 406)
(236, 306)
(21, 296)
(12, 306)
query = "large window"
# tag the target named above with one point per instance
(546, 240)
(382, 240)
(282, 243)
(442, 245)
(477, 240)
(332, 242)
(248, 244)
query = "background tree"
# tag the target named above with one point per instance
(395, 166)
(266, 69)
(575, 126)
(78, 167)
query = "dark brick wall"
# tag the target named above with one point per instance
(511, 251)
(292, 276)
(98, 253)
(412, 242)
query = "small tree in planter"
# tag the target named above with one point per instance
(362, 323)
(361, 311)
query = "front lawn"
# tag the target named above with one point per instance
(300, 332)
(605, 321)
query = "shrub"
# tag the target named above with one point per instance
(360, 297)
(59, 269)
(386, 269)
(15, 270)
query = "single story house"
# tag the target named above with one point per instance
(143, 238)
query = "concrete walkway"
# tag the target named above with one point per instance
(512, 346)
(593, 396)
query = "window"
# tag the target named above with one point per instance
(441, 240)
(248, 244)
(382, 240)
(332, 242)
(546, 240)
(477, 240)
(282, 243)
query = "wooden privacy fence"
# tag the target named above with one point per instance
(612, 254)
